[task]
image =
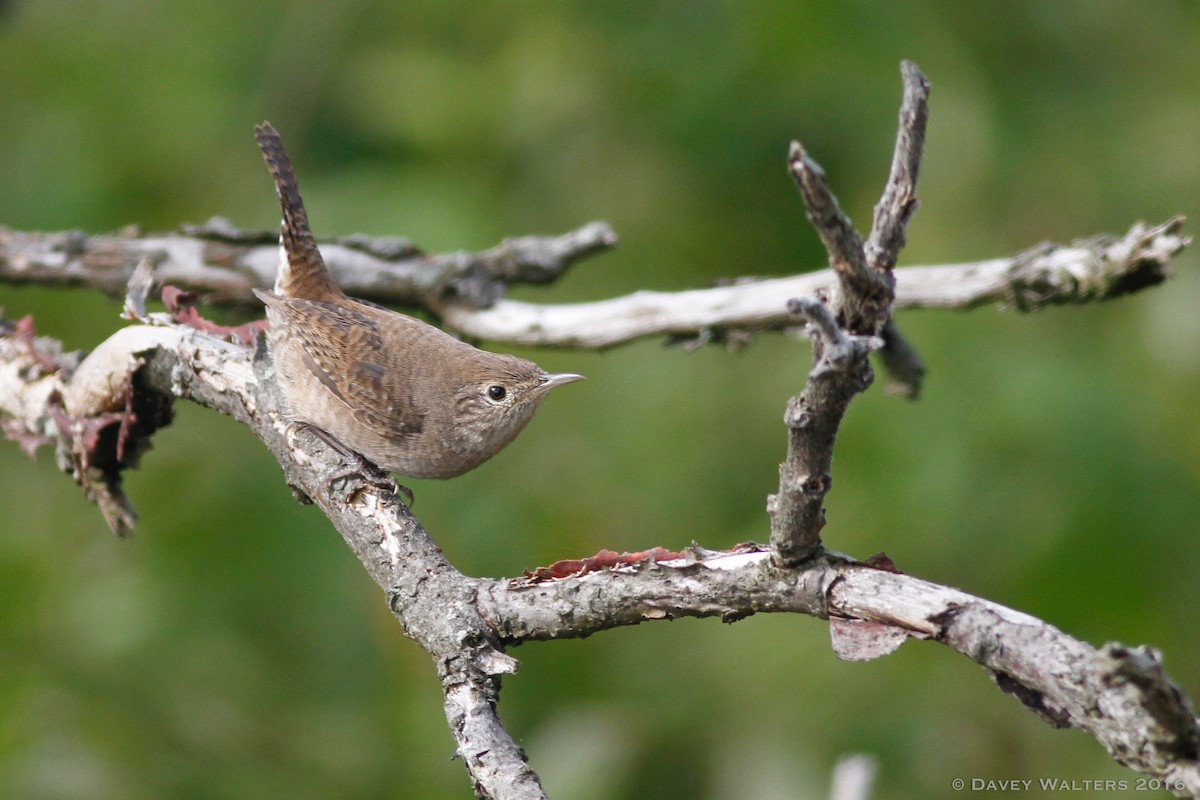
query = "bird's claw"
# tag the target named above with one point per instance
(356, 465)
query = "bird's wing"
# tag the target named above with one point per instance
(343, 348)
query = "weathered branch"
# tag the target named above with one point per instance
(840, 371)
(226, 263)
(100, 412)
(905, 369)
(866, 291)
(846, 330)
(888, 231)
(1085, 271)
(432, 600)
(1118, 695)
(899, 201)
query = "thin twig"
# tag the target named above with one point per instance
(892, 215)
(899, 202)
(905, 369)
(866, 292)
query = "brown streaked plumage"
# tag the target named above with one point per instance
(404, 394)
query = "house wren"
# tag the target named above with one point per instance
(404, 394)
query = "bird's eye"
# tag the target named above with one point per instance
(497, 393)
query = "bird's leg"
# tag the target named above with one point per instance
(355, 464)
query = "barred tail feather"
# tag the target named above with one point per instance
(302, 272)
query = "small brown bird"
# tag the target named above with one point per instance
(407, 396)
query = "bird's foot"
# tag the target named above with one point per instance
(356, 465)
(371, 474)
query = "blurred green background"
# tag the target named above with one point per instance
(234, 648)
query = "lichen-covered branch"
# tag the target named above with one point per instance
(1086, 271)
(1118, 695)
(225, 263)
(99, 412)
(160, 362)
(1089, 270)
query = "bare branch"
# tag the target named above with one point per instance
(1090, 270)
(892, 215)
(899, 201)
(1116, 694)
(864, 300)
(862, 305)
(433, 602)
(905, 369)
(841, 240)
(840, 371)
(839, 351)
(227, 263)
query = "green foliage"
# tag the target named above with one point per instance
(233, 648)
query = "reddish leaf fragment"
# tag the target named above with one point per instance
(605, 559)
(62, 420)
(559, 569)
(881, 561)
(23, 331)
(127, 420)
(180, 303)
(249, 331)
(28, 441)
(91, 427)
(860, 640)
(82, 434)
(177, 299)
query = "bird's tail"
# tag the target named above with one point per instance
(302, 272)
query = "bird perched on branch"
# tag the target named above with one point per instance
(407, 396)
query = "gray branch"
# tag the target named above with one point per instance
(432, 601)
(899, 201)
(1089, 270)
(99, 414)
(892, 215)
(840, 371)
(866, 291)
(226, 263)
(846, 329)
(1086, 271)
(1119, 695)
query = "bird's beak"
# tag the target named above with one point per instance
(558, 379)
